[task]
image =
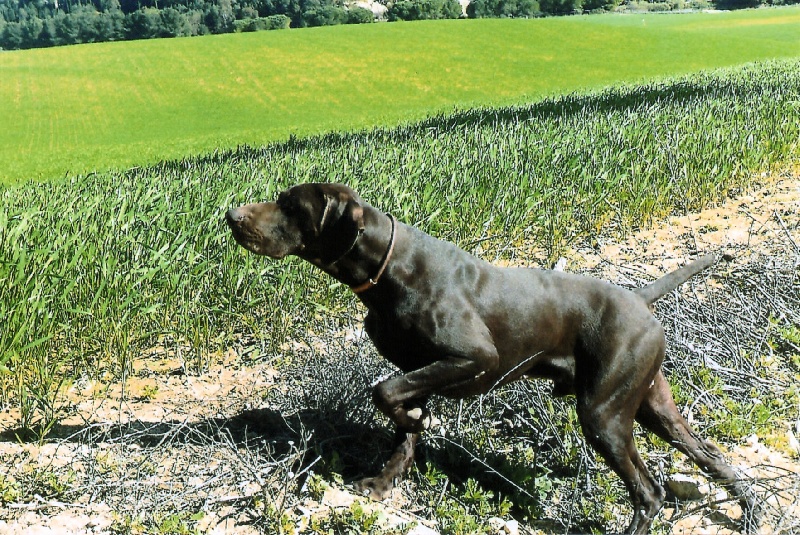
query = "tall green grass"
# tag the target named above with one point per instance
(97, 269)
(79, 109)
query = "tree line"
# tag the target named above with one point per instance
(45, 23)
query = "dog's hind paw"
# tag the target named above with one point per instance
(375, 488)
(415, 413)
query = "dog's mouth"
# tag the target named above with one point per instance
(241, 232)
(248, 237)
(252, 243)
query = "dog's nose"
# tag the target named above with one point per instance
(234, 215)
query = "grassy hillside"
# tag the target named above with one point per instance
(96, 268)
(100, 273)
(77, 109)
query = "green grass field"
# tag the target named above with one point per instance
(74, 110)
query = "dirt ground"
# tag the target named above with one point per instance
(101, 474)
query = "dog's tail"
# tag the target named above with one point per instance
(655, 291)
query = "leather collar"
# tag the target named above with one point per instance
(373, 281)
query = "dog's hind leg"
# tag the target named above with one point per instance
(609, 430)
(608, 391)
(659, 414)
(379, 487)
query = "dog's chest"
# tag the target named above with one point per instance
(407, 342)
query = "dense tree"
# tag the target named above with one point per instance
(326, 15)
(143, 24)
(12, 35)
(599, 5)
(42, 23)
(67, 28)
(173, 23)
(737, 4)
(31, 29)
(502, 8)
(272, 22)
(561, 7)
(424, 10)
(359, 15)
(219, 17)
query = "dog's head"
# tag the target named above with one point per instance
(318, 222)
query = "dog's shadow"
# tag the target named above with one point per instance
(270, 432)
(334, 443)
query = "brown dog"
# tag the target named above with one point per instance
(457, 326)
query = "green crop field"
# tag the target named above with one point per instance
(73, 110)
(99, 266)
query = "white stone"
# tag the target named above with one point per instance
(511, 527)
(415, 413)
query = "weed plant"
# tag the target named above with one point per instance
(97, 268)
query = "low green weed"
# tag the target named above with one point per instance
(9, 490)
(355, 519)
(183, 523)
(46, 483)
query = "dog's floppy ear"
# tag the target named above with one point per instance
(340, 209)
(341, 223)
(334, 208)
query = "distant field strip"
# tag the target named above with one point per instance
(77, 109)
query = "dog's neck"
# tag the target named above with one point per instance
(387, 256)
(367, 260)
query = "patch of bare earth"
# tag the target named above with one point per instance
(179, 450)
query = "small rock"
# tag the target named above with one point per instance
(718, 499)
(501, 527)
(511, 527)
(415, 413)
(419, 529)
(497, 524)
(334, 497)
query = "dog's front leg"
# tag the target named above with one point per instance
(402, 399)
